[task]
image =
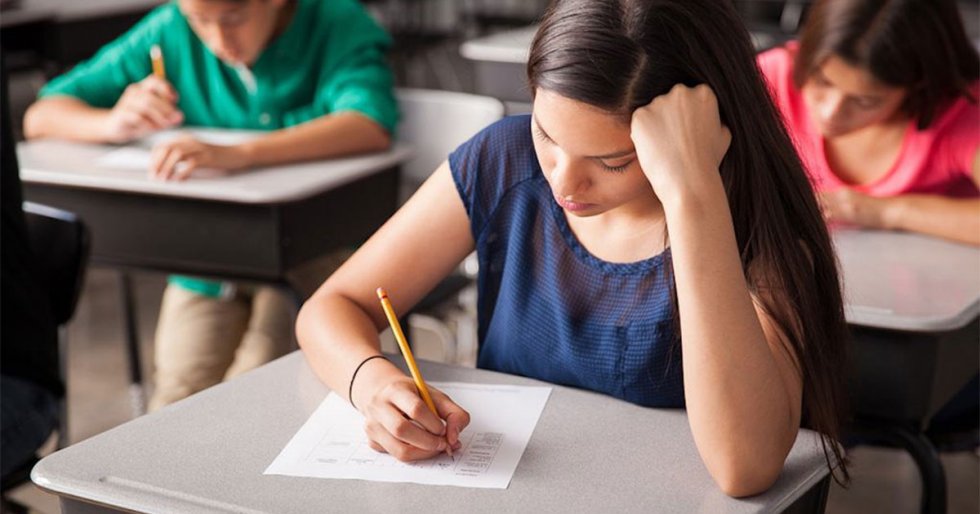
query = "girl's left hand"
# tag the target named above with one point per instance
(680, 141)
(848, 206)
(179, 158)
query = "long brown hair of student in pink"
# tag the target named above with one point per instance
(918, 45)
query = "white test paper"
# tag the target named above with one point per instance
(126, 158)
(137, 155)
(332, 444)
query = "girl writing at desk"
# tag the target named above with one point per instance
(310, 72)
(881, 101)
(647, 233)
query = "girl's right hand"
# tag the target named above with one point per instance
(144, 107)
(398, 422)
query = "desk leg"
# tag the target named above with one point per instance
(926, 459)
(128, 303)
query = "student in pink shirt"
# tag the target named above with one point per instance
(880, 99)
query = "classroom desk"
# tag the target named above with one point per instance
(589, 453)
(500, 61)
(19, 14)
(913, 303)
(23, 11)
(254, 226)
(66, 31)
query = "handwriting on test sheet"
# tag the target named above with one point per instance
(473, 459)
(332, 443)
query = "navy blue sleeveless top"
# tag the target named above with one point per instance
(548, 309)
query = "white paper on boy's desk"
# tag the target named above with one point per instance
(126, 158)
(138, 155)
(332, 444)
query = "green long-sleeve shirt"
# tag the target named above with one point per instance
(330, 58)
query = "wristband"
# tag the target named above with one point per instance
(350, 388)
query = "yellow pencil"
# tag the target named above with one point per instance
(396, 328)
(156, 57)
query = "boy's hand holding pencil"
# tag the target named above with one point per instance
(145, 106)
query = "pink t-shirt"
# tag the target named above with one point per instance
(937, 160)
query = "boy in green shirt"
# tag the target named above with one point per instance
(311, 72)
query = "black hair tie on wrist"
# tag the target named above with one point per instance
(350, 388)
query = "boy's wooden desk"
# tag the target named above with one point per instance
(255, 226)
(589, 453)
(913, 304)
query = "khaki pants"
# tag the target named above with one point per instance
(202, 340)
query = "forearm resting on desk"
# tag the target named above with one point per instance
(67, 118)
(328, 136)
(336, 335)
(952, 218)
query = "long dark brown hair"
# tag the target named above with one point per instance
(618, 55)
(919, 45)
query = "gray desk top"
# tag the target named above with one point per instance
(906, 281)
(68, 10)
(589, 453)
(24, 14)
(510, 46)
(76, 164)
(513, 46)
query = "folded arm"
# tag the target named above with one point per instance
(957, 219)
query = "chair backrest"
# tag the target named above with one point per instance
(61, 247)
(436, 122)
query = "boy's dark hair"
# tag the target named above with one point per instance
(618, 55)
(919, 45)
